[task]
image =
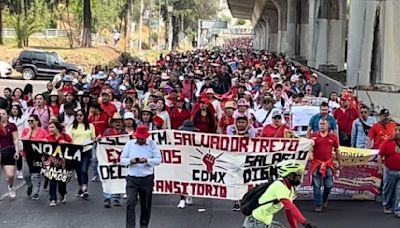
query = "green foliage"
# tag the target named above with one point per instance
(29, 20)
(224, 17)
(154, 36)
(240, 22)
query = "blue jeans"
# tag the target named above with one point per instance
(391, 190)
(82, 170)
(108, 196)
(318, 182)
(95, 163)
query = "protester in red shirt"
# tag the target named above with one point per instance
(106, 104)
(56, 135)
(390, 154)
(179, 113)
(345, 116)
(322, 167)
(227, 118)
(204, 119)
(381, 131)
(98, 118)
(276, 129)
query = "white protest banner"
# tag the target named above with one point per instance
(302, 114)
(314, 101)
(204, 165)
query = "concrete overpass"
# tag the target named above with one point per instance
(317, 31)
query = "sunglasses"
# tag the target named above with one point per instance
(30, 121)
(363, 112)
(277, 117)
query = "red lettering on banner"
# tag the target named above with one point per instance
(214, 142)
(224, 143)
(184, 186)
(187, 139)
(244, 142)
(272, 145)
(177, 137)
(208, 190)
(294, 144)
(197, 189)
(234, 145)
(194, 143)
(264, 143)
(171, 156)
(255, 142)
(204, 141)
(113, 155)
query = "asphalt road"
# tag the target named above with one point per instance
(25, 213)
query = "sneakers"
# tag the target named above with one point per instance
(35, 197)
(63, 199)
(12, 192)
(107, 203)
(29, 190)
(125, 196)
(52, 203)
(95, 178)
(318, 209)
(79, 193)
(387, 211)
(116, 203)
(85, 194)
(236, 207)
(20, 176)
(181, 204)
(189, 200)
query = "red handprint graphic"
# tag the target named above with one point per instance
(209, 161)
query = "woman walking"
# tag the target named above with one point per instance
(83, 133)
(33, 132)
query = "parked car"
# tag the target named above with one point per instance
(5, 70)
(33, 63)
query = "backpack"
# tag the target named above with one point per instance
(249, 201)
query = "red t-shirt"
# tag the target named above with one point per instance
(109, 108)
(40, 134)
(67, 89)
(323, 146)
(391, 154)
(204, 125)
(380, 133)
(7, 139)
(100, 122)
(177, 117)
(63, 136)
(56, 109)
(274, 132)
(345, 119)
(225, 121)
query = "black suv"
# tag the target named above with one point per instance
(32, 63)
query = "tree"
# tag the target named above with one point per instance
(28, 18)
(1, 22)
(87, 25)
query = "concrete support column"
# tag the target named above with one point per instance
(292, 25)
(264, 22)
(281, 7)
(263, 35)
(326, 41)
(373, 43)
(272, 24)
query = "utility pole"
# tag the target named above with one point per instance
(140, 25)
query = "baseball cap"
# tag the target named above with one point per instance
(384, 112)
(128, 115)
(276, 113)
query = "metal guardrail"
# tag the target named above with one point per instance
(53, 33)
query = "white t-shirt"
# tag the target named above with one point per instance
(262, 113)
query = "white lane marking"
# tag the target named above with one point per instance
(17, 187)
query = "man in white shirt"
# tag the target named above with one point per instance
(216, 104)
(264, 114)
